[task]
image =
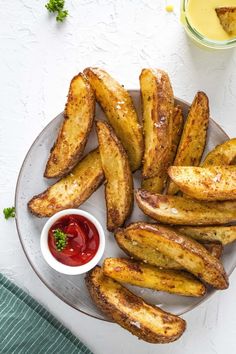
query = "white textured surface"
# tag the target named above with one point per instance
(38, 59)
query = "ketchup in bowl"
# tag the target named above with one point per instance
(73, 240)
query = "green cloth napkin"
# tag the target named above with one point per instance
(27, 328)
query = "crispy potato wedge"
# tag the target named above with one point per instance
(224, 234)
(145, 321)
(206, 183)
(150, 255)
(119, 181)
(193, 138)
(176, 210)
(223, 154)
(184, 250)
(158, 107)
(72, 190)
(147, 254)
(147, 276)
(177, 128)
(227, 17)
(75, 129)
(155, 184)
(120, 111)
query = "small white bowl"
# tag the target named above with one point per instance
(63, 268)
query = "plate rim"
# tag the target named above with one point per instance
(204, 299)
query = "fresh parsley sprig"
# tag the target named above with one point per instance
(61, 239)
(9, 212)
(57, 6)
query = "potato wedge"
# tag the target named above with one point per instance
(177, 128)
(193, 138)
(119, 181)
(72, 190)
(158, 107)
(155, 184)
(177, 210)
(224, 234)
(147, 254)
(184, 250)
(120, 111)
(147, 276)
(205, 183)
(227, 17)
(150, 255)
(75, 129)
(223, 154)
(145, 321)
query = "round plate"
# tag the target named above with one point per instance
(72, 289)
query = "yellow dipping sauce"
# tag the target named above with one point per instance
(203, 18)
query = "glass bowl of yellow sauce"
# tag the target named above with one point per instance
(202, 24)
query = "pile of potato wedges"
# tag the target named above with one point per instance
(192, 201)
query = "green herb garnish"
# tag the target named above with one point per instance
(57, 6)
(60, 238)
(9, 213)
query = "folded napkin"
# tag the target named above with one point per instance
(26, 327)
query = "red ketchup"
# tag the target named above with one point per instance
(82, 240)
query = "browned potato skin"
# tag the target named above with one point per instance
(223, 234)
(120, 111)
(215, 248)
(169, 209)
(158, 106)
(147, 276)
(223, 154)
(184, 250)
(227, 17)
(193, 138)
(71, 191)
(152, 256)
(205, 183)
(75, 129)
(145, 321)
(119, 181)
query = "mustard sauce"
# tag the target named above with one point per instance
(202, 17)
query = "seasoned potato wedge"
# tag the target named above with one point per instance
(72, 190)
(74, 131)
(177, 210)
(184, 250)
(177, 128)
(206, 183)
(223, 154)
(150, 255)
(155, 184)
(158, 107)
(227, 17)
(147, 254)
(224, 234)
(146, 321)
(119, 181)
(193, 138)
(119, 109)
(148, 276)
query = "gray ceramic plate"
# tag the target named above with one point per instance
(71, 289)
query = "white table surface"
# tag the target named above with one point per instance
(38, 59)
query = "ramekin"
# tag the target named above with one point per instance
(63, 268)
